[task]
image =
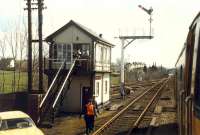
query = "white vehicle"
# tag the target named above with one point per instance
(17, 123)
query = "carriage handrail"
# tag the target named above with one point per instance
(45, 97)
(61, 89)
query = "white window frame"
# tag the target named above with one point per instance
(60, 56)
(97, 88)
(106, 87)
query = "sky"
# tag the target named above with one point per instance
(114, 18)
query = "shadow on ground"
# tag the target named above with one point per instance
(168, 129)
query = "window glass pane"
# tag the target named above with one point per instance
(85, 50)
(97, 89)
(105, 55)
(98, 54)
(17, 123)
(106, 87)
(68, 47)
(55, 51)
(68, 53)
(108, 55)
(181, 73)
(3, 125)
(59, 52)
(59, 47)
(101, 54)
(64, 52)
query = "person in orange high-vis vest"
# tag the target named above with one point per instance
(89, 116)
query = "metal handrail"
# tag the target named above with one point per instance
(180, 109)
(45, 97)
(61, 89)
(188, 100)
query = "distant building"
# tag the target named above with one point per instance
(12, 64)
(91, 74)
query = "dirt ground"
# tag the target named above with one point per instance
(75, 125)
(72, 125)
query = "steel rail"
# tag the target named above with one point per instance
(136, 123)
(128, 84)
(102, 128)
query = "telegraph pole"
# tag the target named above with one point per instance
(29, 65)
(40, 8)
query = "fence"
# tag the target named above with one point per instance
(11, 81)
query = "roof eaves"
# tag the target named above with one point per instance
(88, 31)
(105, 42)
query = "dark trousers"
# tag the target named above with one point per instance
(92, 122)
(86, 123)
(89, 121)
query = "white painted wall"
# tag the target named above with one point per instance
(98, 85)
(106, 94)
(100, 81)
(102, 60)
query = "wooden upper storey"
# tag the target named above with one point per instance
(75, 41)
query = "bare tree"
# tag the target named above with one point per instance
(35, 54)
(3, 49)
(13, 41)
(22, 41)
(13, 44)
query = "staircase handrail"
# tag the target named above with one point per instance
(45, 97)
(61, 89)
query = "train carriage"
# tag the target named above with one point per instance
(188, 82)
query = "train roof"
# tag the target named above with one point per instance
(192, 25)
(194, 21)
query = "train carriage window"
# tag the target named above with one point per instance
(197, 84)
(181, 73)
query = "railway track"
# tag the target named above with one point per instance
(129, 118)
(132, 86)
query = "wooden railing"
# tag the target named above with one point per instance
(50, 103)
(65, 81)
(54, 64)
(49, 94)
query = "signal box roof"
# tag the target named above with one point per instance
(86, 30)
